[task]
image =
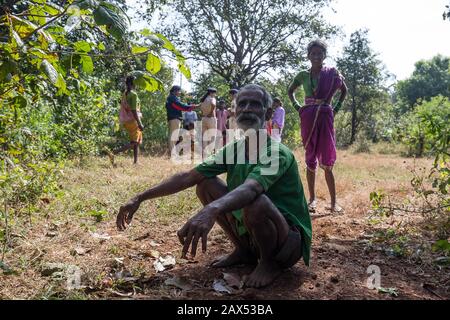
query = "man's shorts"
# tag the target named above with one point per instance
(290, 252)
(292, 249)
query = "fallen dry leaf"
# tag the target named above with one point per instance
(154, 254)
(154, 244)
(220, 286)
(233, 280)
(168, 260)
(80, 251)
(158, 266)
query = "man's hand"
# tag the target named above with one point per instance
(197, 227)
(126, 213)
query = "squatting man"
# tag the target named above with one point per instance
(264, 215)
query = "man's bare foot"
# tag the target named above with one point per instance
(237, 257)
(264, 274)
(312, 206)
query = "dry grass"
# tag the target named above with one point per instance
(98, 189)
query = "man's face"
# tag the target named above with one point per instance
(178, 93)
(250, 110)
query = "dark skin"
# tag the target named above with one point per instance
(316, 56)
(266, 225)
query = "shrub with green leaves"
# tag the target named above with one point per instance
(425, 130)
(61, 68)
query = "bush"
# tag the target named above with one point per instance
(425, 130)
(362, 144)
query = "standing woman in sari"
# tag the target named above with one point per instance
(320, 83)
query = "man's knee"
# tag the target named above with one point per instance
(212, 186)
(201, 187)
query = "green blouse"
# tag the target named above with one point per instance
(303, 78)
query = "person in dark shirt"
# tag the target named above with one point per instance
(174, 108)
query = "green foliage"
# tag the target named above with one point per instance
(377, 199)
(115, 20)
(429, 79)
(98, 215)
(59, 91)
(235, 43)
(364, 76)
(442, 246)
(426, 130)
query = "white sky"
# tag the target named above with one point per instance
(402, 32)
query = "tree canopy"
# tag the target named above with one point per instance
(429, 79)
(241, 40)
(364, 75)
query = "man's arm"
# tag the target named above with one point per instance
(238, 198)
(199, 225)
(170, 186)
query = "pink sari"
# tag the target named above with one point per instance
(317, 128)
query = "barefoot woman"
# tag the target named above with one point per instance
(320, 83)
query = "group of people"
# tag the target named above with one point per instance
(217, 126)
(218, 121)
(264, 213)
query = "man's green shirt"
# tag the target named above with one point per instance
(277, 174)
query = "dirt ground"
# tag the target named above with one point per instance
(77, 230)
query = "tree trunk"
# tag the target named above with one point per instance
(353, 134)
(421, 147)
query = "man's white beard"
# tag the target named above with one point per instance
(255, 125)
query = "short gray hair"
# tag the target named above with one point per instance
(267, 98)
